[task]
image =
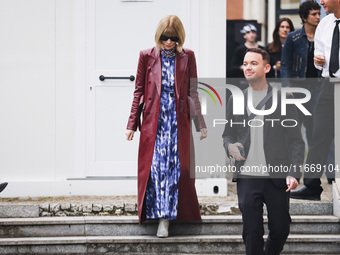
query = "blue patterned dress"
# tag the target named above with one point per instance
(161, 196)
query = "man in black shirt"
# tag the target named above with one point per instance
(249, 32)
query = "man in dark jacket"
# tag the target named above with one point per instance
(297, 60)
(265, 172)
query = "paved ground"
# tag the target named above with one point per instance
(325, 197)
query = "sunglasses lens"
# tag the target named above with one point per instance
(174, 39)
(165, 38)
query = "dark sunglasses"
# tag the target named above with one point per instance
(165, 38)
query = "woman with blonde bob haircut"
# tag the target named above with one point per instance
(166, 99)
(170, 26)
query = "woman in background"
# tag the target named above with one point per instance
(164, 83)
(283, 27)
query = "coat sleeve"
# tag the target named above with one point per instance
(286, 60)
(318, 45)
(138, 94)
(193, 94)
(296, 145)
(230, 132)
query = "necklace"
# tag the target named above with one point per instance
(310, 38)
(168, 53)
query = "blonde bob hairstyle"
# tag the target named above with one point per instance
(170, 26)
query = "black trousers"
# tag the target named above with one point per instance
(313, 86)
(252, 194)
(323, 134)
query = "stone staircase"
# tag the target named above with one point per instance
(314, 230)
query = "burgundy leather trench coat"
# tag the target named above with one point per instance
(148, 89)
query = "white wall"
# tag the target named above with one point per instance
(272, 18)
(37, 89)
(65, 88)
(212, 31)
(254, 10)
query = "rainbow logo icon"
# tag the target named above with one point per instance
(209, 93)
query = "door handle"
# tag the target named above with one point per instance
(103, 78)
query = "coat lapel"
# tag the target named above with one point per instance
(267, 123)
(246, 103)
(181, 62)
(245, 118)
(156, 67)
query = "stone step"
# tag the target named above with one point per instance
(128, 226)
(297, 207)
(212, 244)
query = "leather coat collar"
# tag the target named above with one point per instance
(181, 62)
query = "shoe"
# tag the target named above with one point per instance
(330, 180)
(305, 193)
(163, 228)
(3, 186)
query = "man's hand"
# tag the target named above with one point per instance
(204, 133)
(292, 183)
(319, 60)
(235, 152)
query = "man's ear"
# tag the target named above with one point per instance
(267, 68)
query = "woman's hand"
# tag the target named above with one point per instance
(204, 133)
(129, 134)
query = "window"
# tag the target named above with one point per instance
(289, 4)
(289, 9)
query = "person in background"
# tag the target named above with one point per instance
(3, 186)
(249, 33)
(165, 83)
(283, 27)
(298, 64)
(326, 59)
